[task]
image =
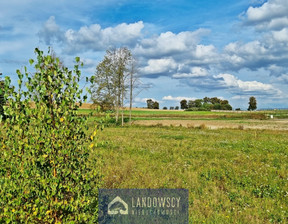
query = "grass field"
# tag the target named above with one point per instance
(211, 120)
(233, 175)
(179, 114)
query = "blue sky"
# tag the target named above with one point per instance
(185, 49)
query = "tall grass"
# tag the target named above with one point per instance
(233, 176)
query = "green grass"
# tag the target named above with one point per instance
(173, 114)
(233, 176)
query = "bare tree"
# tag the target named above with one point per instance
(110, 81)
(123, 60)
(134, 84)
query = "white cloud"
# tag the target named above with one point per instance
(281, 36)
(169, 43)
(92, 37)
(51, 31)
(177, 98)
(269, 10)
(166, 54)
(95, 38)
(271, 51)
(250, 48)
(274, 24)
(194, 72)
(176, 54)
(271, 15)
(204, 52)
(123, 33)
(237, 55)
(254, 55)
(156, 66)
(143, 100)
(231, 82)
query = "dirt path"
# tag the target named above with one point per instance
(216, 124)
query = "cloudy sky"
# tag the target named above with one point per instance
(185, 48)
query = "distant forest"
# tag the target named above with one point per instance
(205, 104)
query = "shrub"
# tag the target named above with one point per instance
(202, 126)
(2, 102)
(240, 127)
(44, 175)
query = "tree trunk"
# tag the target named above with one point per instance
(122, 112)
(118, 96)
(117, 109)
(122, 100)
(131, 97)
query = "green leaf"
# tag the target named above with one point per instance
(31, 61)
(49, 78)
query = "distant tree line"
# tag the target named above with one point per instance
(205, 104)
(152, 104)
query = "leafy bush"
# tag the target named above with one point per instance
(44, 174)
(2, 102)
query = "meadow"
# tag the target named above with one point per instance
(138, 113)
(233, 175)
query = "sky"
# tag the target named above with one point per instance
(185, 49)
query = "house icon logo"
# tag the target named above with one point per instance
(117, 206)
